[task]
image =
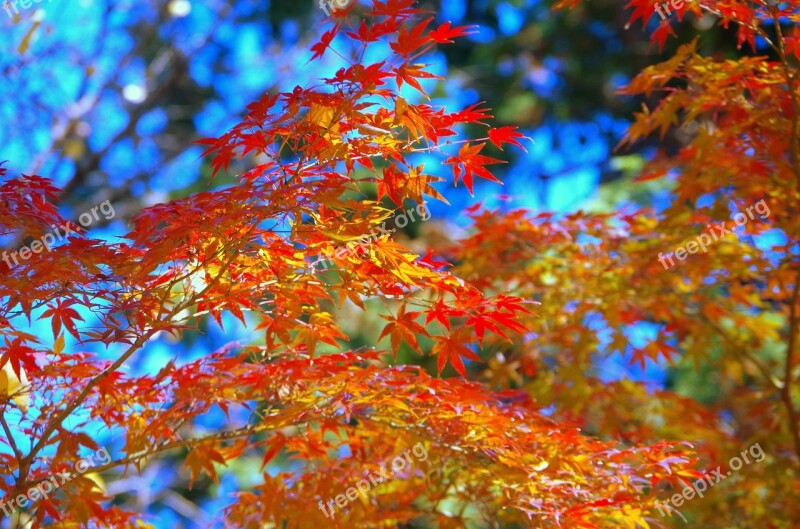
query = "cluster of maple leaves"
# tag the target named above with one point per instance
(495, 457)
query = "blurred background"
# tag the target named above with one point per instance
(107, 98)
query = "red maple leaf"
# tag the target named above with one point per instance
(506, 135)
(444, 33)
(452, 348)
(323, 44)
(19, 355)
(470, 162)
(63, 314)
(408, 73)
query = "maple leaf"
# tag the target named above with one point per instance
(429, 260)
(202, 458)
(470, 114)
(471, 163)
(652, 350)
(445, 32)
(399, 9)
(374, 32)
(320, 47)
(414, 121)
(62, 313)
(14, 383)
(451, 349)
(409, 73)
(402, 327)
(643, 9)
(19, 356)
(483, 321)
(409, 41)
(506, 135)
(661, 33)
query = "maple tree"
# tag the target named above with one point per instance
(523, 292)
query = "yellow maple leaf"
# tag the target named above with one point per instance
(323, 116)
(17, 387)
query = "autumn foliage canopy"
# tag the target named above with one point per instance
(520, 427)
